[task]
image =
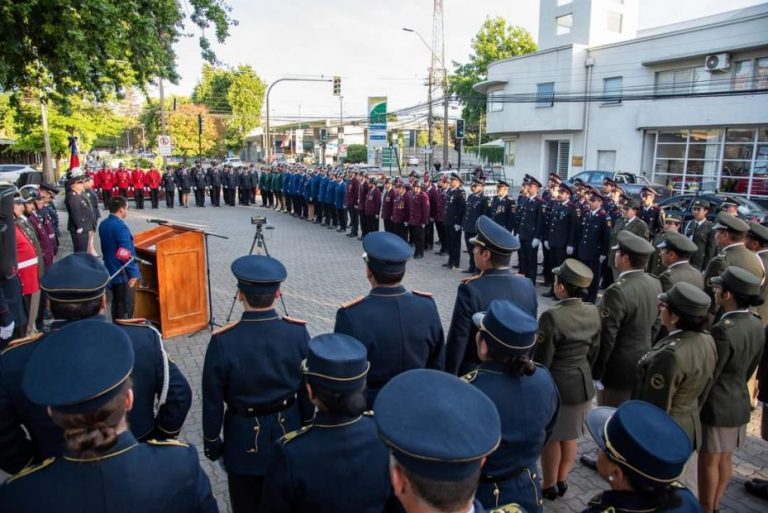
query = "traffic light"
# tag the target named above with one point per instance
(459, 129)
(199, 123)
(337, 86)
(323, 135)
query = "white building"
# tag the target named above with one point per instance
(684, 104)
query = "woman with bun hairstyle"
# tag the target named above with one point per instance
(81, 373)
(739, 338)
(567, 342)
(338, 463)
(642, 452)
(508, 376)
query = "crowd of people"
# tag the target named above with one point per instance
(411, 417)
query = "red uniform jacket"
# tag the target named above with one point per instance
(373, 201)
(123, 178)
(419, 213)
(386, 204)
(138, 179)
(107, 181)
(27, 263)
(153, 179)
(401, 208)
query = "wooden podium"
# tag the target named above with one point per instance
(172, 292)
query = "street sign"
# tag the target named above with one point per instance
(388, 157)
(164, 145)
(342, 150)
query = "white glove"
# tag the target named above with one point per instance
(602, 258)
(569, 250)
(598, 384)
(423, 225)
(457, 227)
(7, 331)
(546, 245)
(535, 243)
(79, 230)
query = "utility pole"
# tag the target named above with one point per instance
(47, 169)
(162, 117)
(438, 57)
(340, 159)
(430, 118)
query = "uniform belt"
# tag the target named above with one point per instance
(260, 411)
(27, 263)
(506, 476)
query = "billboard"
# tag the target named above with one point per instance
(377, 125)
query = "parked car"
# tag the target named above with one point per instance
(12, 172)
(232, 161)
(466, 176)
(748, 209)
(412, 161)
(630, 182)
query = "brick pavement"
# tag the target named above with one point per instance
(325, 269)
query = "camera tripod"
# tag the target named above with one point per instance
(258, 243)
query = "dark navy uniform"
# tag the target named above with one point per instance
(215, 180)
(562, 232)
(502, 211)
(169, 186)
(455, 203)
(81, 220)
(593, 238)
(76, 372)
(401, 329)
(511, 473)
(530, 219)
(477, 205)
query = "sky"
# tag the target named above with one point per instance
(363, 42)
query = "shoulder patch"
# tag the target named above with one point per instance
(292, 435)
(170, 442)
(293, 320)
(132, 322)
(22, 341)
(226, 328)
(471, 278)
(657, 381)
(470, 376)
(508, 508)
(30, 469)
(422, 293)
(355, 301)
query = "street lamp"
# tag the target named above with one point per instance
(445, 94)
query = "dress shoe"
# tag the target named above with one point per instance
(416, 257)
(350, 235)
(562, 487)
(341, 230)
(758, 488)
(447, 265)
(588, 461)
(549, 493)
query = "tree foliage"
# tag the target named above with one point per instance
(181, 125)
(95, 48)
(356, 153)
(495, 40)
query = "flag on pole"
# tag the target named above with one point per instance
(74, 158)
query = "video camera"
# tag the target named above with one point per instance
(259, 221)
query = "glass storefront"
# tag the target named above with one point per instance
(732, 160)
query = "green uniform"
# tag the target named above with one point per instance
(739, 341)
(762, 310)
(681, 271)
(567, 343)
(703, 236)
(655, 266)
(676, 376)
(636, 226)
(735, 254)
(630, 323)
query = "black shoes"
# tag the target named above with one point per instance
(588, 461)
(757, 487)
(416, 257)
(549, 493)
(562, 487)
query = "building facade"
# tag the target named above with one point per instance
(686, 105)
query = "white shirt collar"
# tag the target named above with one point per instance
(733, 312)
(732, 245)
(677, 263)
(675, 332)
(630, 272)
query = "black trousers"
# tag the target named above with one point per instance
(169, 198)
(373, 223)
(106, 194)
(200, 197)
(429, 235)
(216, 196)
(546, 270)
(400, 230)
(245, 493)
(79, 241)
(388, 225)
(342, 215)
(154, 197)
(454, 245)
(528, 256)
(123, 301)
(138, 196)
(556, 257)
(596, 268)
(124, 193)
(417, 236)
(181, 198)
(354, 220)
(440, 229)
(470, 250)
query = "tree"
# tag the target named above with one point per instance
(213, 88)
(99, 47)
(183, 128)
(495, 40)
(356, 153)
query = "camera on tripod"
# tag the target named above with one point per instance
(259, 221)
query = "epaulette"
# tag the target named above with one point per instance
(22, 341)
(293, 320)
(471, 278)
(30, 469)
(292, 435)
(355, 301)
(368, 413)
(132, 322)
(226, 328)
(170, 442)
(422, 293)
(470, 376)
(508, 508)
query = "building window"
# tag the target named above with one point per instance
(563, 2)
(682, 81)
(742, 75)
(612, 90)
(510, 150)
(614, 21)
(564, 24)
(494, 105)
(761, 73)
(545, 94)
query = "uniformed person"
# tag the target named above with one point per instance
(650, 213)
(455, 203)
(75, 286)
(594, 235)
(729, 206)
(215, 182)
(699, 230)
(169, 186)
(311, 469)
(567, 342)
(505, 338)
(739, 341)
(439, 472)
(628, 222)
(730, 233)
(81, 377)
(80, 214)
(677, 372)
(477, 205)
(676, 249)
(184, 182)
(401, 329)
(493, 250)
(503, 207)
(562, 230)
(640, 471)
(418, 218)
(251, 378)
(757, 241)
(672, 223)
(530, 223)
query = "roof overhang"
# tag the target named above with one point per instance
(482, 87)
(698, 54)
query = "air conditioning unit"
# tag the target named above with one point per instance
(718, 62)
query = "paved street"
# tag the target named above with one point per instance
(325, 269)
